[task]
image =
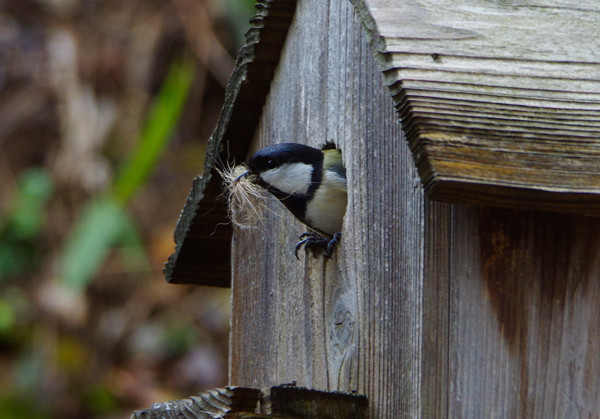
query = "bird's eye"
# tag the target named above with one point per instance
(271, 164)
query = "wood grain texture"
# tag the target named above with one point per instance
(280, 402)
(203, 233)
(432, 310)
(510, 314)
(500, 101)
(350, 323)
(298, 402)
(523, 319)
(211, 404)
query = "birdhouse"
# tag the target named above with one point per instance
(467, 280)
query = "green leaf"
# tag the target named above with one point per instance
(96, 231)
(14, 258)
(131, 247)
(26, 216)
(21, 406)
(105, 223)
(100, 399)
(7, 316)
(155, 133)
(23, 223)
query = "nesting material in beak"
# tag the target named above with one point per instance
(242, 176)
(245, 199)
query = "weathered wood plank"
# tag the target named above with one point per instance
(524, 329)
(510, 326)
(213, 403)
(203, 233)
(436, 373)
(500, 101)
(350, 323)
(278, 402)
(297, 402)
(430, 309)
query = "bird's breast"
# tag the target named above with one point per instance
(326, 210)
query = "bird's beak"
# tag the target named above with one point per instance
(243, 175)
(246, 175)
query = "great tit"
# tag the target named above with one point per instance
(311, 183)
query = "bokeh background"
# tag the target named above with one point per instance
(105, 110)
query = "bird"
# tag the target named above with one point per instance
(311, 183)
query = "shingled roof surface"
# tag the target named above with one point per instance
(500, 101)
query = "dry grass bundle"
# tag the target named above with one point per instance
(246, 200)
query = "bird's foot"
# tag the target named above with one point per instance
(313, 241)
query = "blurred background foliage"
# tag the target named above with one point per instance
(105, 110)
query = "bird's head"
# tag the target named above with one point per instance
(285, 169)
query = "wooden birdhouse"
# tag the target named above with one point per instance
(467, 280)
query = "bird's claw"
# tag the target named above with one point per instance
(314, 240)
(331, 245)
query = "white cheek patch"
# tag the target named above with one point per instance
(290, 178)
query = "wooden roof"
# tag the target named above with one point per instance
(500, 102)
(203, 233)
